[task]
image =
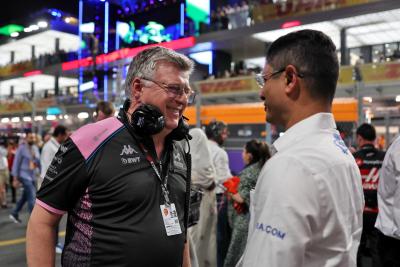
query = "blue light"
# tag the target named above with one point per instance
(54, 13)
(106, 15)
(117, 37)
(182, 19)
(53, 111)
(105, 81)
(80, 51)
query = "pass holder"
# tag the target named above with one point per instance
(171, 220)
(168, 210)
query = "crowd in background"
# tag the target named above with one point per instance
(224, 207)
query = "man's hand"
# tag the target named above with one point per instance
(186, 255)
(15, 182)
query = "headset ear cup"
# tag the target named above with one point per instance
(182, 131)
(147, 120)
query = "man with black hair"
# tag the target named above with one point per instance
(306, 210)
(369, 159)
(217, 133)
(124, 182)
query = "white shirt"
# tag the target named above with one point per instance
(308, 202)
(221, 164)
(48, 152)
(388, 220)
(203, 172)
(3, 159)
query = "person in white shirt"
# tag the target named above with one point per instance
(217, 133)
(306, 210)
(4, 176)
(50, 148)
(388, 220)
(204, 233)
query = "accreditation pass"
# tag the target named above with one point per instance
(171, 221)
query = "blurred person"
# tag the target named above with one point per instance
(255, 154)
(11, 149)
(50, 148)
(38, 141)
(217, 133)
(308, 202)
(25, 167)
(47, 137)
(388, 219)
(116, 177)
(369, 160)
(203, 234)
(104, 110)
(4, 176)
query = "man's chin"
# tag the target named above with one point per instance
(171, 125)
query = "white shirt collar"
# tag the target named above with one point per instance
(319, 121)
(54, 141)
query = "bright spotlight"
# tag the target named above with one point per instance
(83, 115)
(42, 24)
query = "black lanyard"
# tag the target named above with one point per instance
(158, 173)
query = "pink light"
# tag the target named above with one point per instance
(291, 24)
(32, 73)
(126, 53)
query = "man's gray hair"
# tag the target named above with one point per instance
(144, 64)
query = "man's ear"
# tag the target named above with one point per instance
(292, 82)
(136, 89)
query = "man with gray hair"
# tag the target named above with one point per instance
(124, 182)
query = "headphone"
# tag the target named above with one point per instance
(214, 131)
(148, 120)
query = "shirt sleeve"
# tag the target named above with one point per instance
(221, 163)
(388, 188)
(16, 168)
(248, 179)
(45, 160)
(285, 212)
(65, 181)
(389, 172)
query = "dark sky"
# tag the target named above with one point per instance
(17, 10)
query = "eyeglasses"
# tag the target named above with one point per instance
(262, 79)
(175, 90)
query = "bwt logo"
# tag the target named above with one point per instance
(268, 229)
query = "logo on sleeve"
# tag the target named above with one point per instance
(63, 148)
(178, 161)
(338, 141)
